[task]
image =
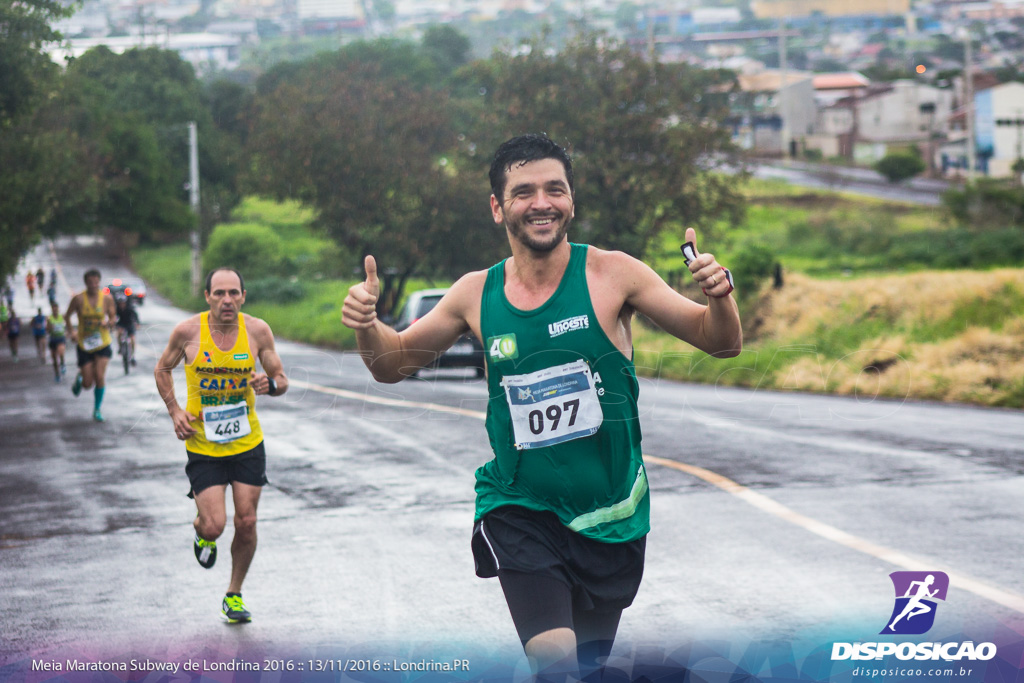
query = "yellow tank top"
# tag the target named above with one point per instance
(93, 335)
(219, 394)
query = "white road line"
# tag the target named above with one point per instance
(980, 588)
(762, 502)
(380, 400)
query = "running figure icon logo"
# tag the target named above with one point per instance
(916, 596)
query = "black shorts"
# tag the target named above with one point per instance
(86, 357)
(601, 576)
(55, 342)
(248, 467)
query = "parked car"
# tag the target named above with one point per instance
(467, 352)
(121, 289)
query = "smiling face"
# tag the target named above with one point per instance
(225, 296)
(537, 205)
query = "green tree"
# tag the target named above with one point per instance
(27, 73)
(132, 110)
(362, 138)
(645, 138)
(446, 46)
(38, 164)
(900, 166)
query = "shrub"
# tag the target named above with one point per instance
(986, 204)
(752, 264)
(899, 166)
(253, 250)
(278, 290)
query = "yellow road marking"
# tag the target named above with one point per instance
(997, 595)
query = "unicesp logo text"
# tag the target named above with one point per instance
(948, 652)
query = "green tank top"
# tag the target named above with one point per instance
(562, 412)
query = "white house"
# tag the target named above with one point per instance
(908, 112)
(999, 128)
(774, 112)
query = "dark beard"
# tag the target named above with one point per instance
(536, 246)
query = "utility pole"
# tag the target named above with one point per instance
(193, 201)
(969, 101)
(783, 96)
(652, 53)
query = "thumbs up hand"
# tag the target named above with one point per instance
(714, 279)
(359, 311)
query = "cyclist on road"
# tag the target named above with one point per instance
(222, 435)
(96, 315)
(563, 508)
(127, 321)
(56, 327)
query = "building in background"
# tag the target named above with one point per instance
(206, 52)
(773, 112)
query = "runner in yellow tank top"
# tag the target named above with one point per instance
(219, 394)
(223, 438)
(96, 315)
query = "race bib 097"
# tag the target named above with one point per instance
(553, 405)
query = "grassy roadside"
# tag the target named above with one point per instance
(946, 336)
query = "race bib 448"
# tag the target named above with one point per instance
(226, 423)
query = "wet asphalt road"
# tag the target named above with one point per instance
(803, 506)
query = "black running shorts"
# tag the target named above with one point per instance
(248, 467)
(86, 357)
(515, 540)
(55, 342)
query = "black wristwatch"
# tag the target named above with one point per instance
(271, 386)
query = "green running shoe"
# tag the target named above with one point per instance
(234, 610)
(97, 415)
(206, 551)
(76, 388)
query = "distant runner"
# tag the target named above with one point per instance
(39, 334)
(56, 328)
(13, 328)
(222, 434)
(96, 314)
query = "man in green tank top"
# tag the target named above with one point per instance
(562, 510)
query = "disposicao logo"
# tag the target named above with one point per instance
(917, 594)
(913, 613)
